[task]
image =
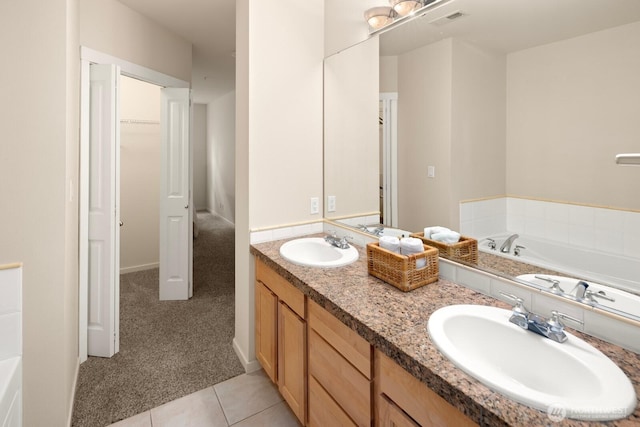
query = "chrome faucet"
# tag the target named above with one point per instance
(555, 284)
(506, 246)
(590, 297)
(378, 231)
(340, 243)
(581, 288)
(551, 328)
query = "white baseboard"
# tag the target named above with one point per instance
(219, 216)
(249, 366)
(73, 393)
(142, 267)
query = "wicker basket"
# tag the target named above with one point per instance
(400, 270)
(465, 250)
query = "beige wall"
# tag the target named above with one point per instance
(139, 175)
(351, 148)
(199, 143)
(388, 74)
(39, 171)
(424, 135)
(278, 130)
(478, 125)
(451, 115)
(344, 24)
(572, 106)
(220, 159)
(38, 183)
(110, 27)
(285, 126)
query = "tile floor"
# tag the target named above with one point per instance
(244, 401)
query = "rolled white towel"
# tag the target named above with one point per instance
(430, 231)
(410, 246)
(448, 237)
(390, 243)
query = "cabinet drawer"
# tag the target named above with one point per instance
(344, 340)
(285, 291)
(414, 397)
(344, 383)
(323, 410)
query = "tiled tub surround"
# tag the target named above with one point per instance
(395, 323)
(613, 231)
(11, 345)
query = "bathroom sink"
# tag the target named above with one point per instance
(316, 252)
(572, 379)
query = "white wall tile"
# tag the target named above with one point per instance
(261, 236)
(10, 290)
(447, 270)
(582, 215)
(10, 335)
(282, 233)
(473, 279)
(618, 332)
(557, 212)
(499, 285)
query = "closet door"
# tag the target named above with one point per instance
(176, 210)
(104, 213)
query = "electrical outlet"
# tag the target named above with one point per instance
(331, 203)
(315, 205)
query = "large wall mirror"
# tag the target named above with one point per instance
(493, 118)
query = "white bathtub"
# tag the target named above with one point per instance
(11, 392)
(617, 271)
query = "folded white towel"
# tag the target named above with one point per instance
(410, 246)
(390, 243)
(448, 237)
(430, 231)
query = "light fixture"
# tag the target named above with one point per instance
(405, 7)
(628, 159)
(378, 17)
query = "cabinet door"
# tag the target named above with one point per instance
(292, 368)
(266, 329)
(392, 416)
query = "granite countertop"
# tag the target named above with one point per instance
(395, 323)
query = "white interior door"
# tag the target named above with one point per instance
(176, 227)
(103, 212)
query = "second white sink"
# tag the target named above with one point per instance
(573, 378)
(316, 252)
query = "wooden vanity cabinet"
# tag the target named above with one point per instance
(404, 401)
(281, 336)
(340, 372)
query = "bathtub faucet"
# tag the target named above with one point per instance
(506, 246)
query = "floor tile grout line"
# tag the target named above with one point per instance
(226, 419)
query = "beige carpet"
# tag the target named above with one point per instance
(168, 349)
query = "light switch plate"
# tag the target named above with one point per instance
(315, 205)
(331, 203)
(431, 171)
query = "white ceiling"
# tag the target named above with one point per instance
(504, 25)
(510, 25)
(210, 25)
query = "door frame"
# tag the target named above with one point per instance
(129, 69)
(389, 104)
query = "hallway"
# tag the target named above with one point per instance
(168, 349)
